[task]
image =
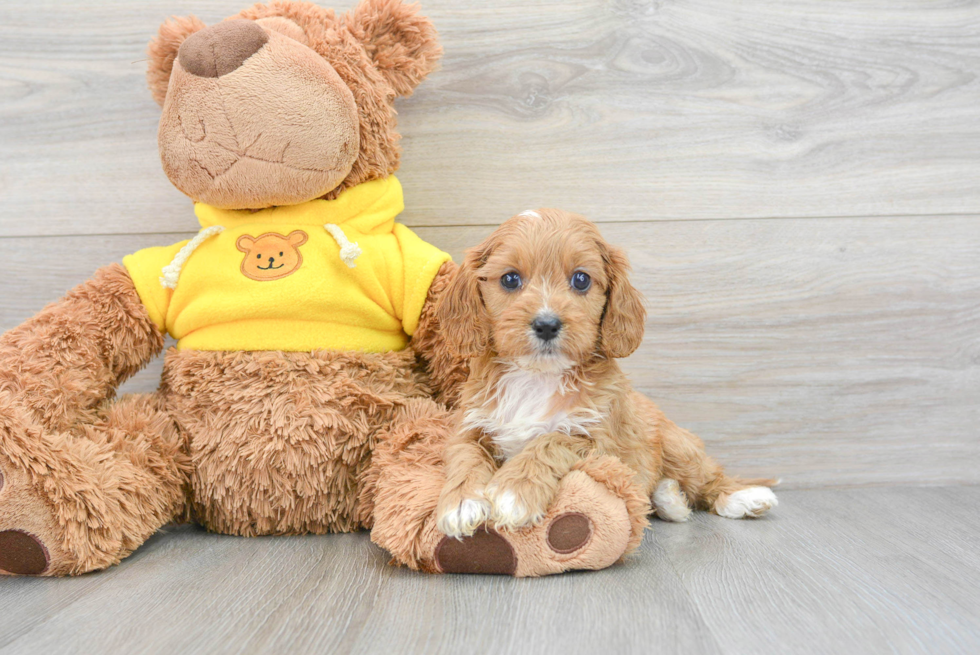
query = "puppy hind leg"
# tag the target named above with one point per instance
(749, 499)
(704, 481)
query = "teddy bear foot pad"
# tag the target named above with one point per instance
(26, 524)
(485, 552)
(22, 554)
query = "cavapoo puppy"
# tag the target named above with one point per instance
(543, 308)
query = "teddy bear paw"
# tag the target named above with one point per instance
(28, 530)
(586, 527)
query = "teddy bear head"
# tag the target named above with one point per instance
(285, 102)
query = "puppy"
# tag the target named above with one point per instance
(542, 309)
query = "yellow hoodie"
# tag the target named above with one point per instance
(324, 275)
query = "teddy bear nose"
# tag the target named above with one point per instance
(222, 48)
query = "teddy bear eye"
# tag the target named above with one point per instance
(258, 256)
(280, 253)
(581, 281)
(510, 281)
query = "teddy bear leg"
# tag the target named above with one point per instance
(81, 500)
(597, 517)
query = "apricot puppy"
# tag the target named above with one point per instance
(543, 308)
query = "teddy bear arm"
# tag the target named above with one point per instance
(447, 372)
(65, 361)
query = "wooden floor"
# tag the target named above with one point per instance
(798, 187)
(883, 570)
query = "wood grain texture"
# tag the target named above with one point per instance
(856, 572)
(833, 571)
(621, 109)
(825, 352)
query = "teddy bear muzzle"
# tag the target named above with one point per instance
(254, 118)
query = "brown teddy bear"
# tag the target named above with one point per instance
(307, 392)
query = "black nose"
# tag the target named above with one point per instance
(546, 327)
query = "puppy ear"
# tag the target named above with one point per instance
(163, 50)
(463, 319)
(402, 43)
(624, 317)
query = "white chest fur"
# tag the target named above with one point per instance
(523, 405)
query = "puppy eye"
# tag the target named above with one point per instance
(511, 281)
(581, 281)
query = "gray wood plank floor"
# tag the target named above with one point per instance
(884, 570)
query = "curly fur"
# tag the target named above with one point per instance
(535, 408)
(446, 370)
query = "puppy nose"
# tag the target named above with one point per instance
(546, 327)
(222, 48)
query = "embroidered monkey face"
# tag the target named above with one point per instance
(271, 256)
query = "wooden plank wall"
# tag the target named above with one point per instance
(796, 184)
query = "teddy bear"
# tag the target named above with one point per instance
(309, 390)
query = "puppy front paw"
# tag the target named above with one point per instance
(462, 518)
(517, 506)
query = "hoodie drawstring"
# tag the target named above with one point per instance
(171, 272)
(348, 251)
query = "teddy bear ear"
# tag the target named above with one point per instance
(245, 243)
(163, 50)
(402, 43)
(296, 238)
